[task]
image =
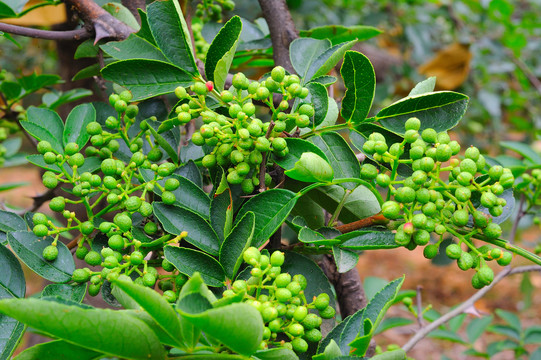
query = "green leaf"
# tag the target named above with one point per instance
(425, 86)
(523, 149)
(55, 99)
(123, 14)
(319, 99)
(147, 78)
(331, 350)
(34, 82)
(476, 327)
(508, 331)
(440, 110)
(87, 49)
(311, 168)
(446, 335)
(360, 81)
(367, 240)
(391, 323)
(57, 350)
(350, 331)
(171, 34)
(510, 318)
(309, 236)
(12, 285)
(45, 124)
(11, 222)
(342, 159)
(238, 240)
(94, 329)
(163, 142)
(147, 319)
(325, 62)
(11, 90)
(242, 334)
(133, 47)
(324, 80)
(176, 219)
(144, 32)
(297, 147)
(221, 52)
(76, 122)
(270, 208)
(189, 261)
(391, 355)
(532, 335)
(345, 260)
(71, 292)
(156, 306)
(29, 248)
(317, 281)
(338, 33)
(276, 354)
(12, 185)
(455, 323)
(221, 214)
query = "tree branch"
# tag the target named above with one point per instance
(133, 5)
(78, 34)
(282, 30)
(422, 333)
(105, 25)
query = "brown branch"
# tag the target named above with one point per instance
(282, 30)
(105, 25)
(78, 34)
(377, 219)
(133, 5)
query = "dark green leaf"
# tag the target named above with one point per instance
(499, 346)
(508, 331)
(319, 99)
(147, 319)
(45, 124)
(303, 52)
(340, 156)
(325, 62)
(71, 292)
(189, 261)
(123, 14)
(532, 335)
(345, 260)
(221, 214)
(360, 81)
(147, 78)
(242, 334)
(144, 32)
(238, 240)
(11, 90)
(324, 80)
(11, 222)
(476, 327)
(425, 86)
(133, 47)
(191, 172)
(367, 240)
(156, 306)
(523, 149)
(12, 185)
(34, 82)
(29, 248)
(163, 143)
(455, 323)
(176, 219)
(57, 350)
(270, 208)
(440, 110)
(75, 127)
(171, 34)
(95, 329)
(351, 330)
(62, 98)
(331, 350)
(296, 148)
(378, 305)
(338, 33)
(221, 52)
(309, 236)
(87, 49)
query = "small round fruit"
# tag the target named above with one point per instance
(50, 253)
(299, 345)
(40, 230)
(430, 251)
(80, 275)
(453, 251)
(295, 329)
(327, 313)
(492, 231)
(93, 258)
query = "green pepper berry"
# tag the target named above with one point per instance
(327, 313)
(453, 251)
(412, 124)
(57, 204)
(133, 203)
(282, 280)
(168, 198)
(278, 74)
(71, 148)
(149, 280)
(383, 180)
(44, 147)
(123, 221)
(80, 275)
(368, 172)
(251, 256)
(486, 275)
(277, 258)
(50, 253)
(505, 259)
(430, 251)
(460, 217)
(322, 301)
(401, 238)
(421, 237)
(295, 329)
(110, 262)
(313, 335)
(492, 231)
(495, 172)
(279, 144)
(465, 261)
(443, 152)
(391, 210)
(427, 164)
(468, 165)
(405, 195)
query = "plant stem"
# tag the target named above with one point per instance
(339, 208)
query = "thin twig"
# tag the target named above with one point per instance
(78, 34)
(422, 333)
(419, 306)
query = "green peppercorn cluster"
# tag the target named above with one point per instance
(201, 45)
(291, 320)
(119, 191)
(212, 9)
(241, 140)
(426, 203)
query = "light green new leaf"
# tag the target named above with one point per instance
(57, 350)
(440, 110)
(425, 86)
(123, 14)
(311, 168)
(242, 334)
(297, 147)
(111, 332)
(238, 240)
(360, 81)
(147, 78)
(190, 261)
(171, 34)
(221, 52)
(156, 306)
(270, 208)
(75, 127)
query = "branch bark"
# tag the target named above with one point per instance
(78, 34)
(105, 25)
(133, 5)
(282, 30)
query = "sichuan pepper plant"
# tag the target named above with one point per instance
(175, 210)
